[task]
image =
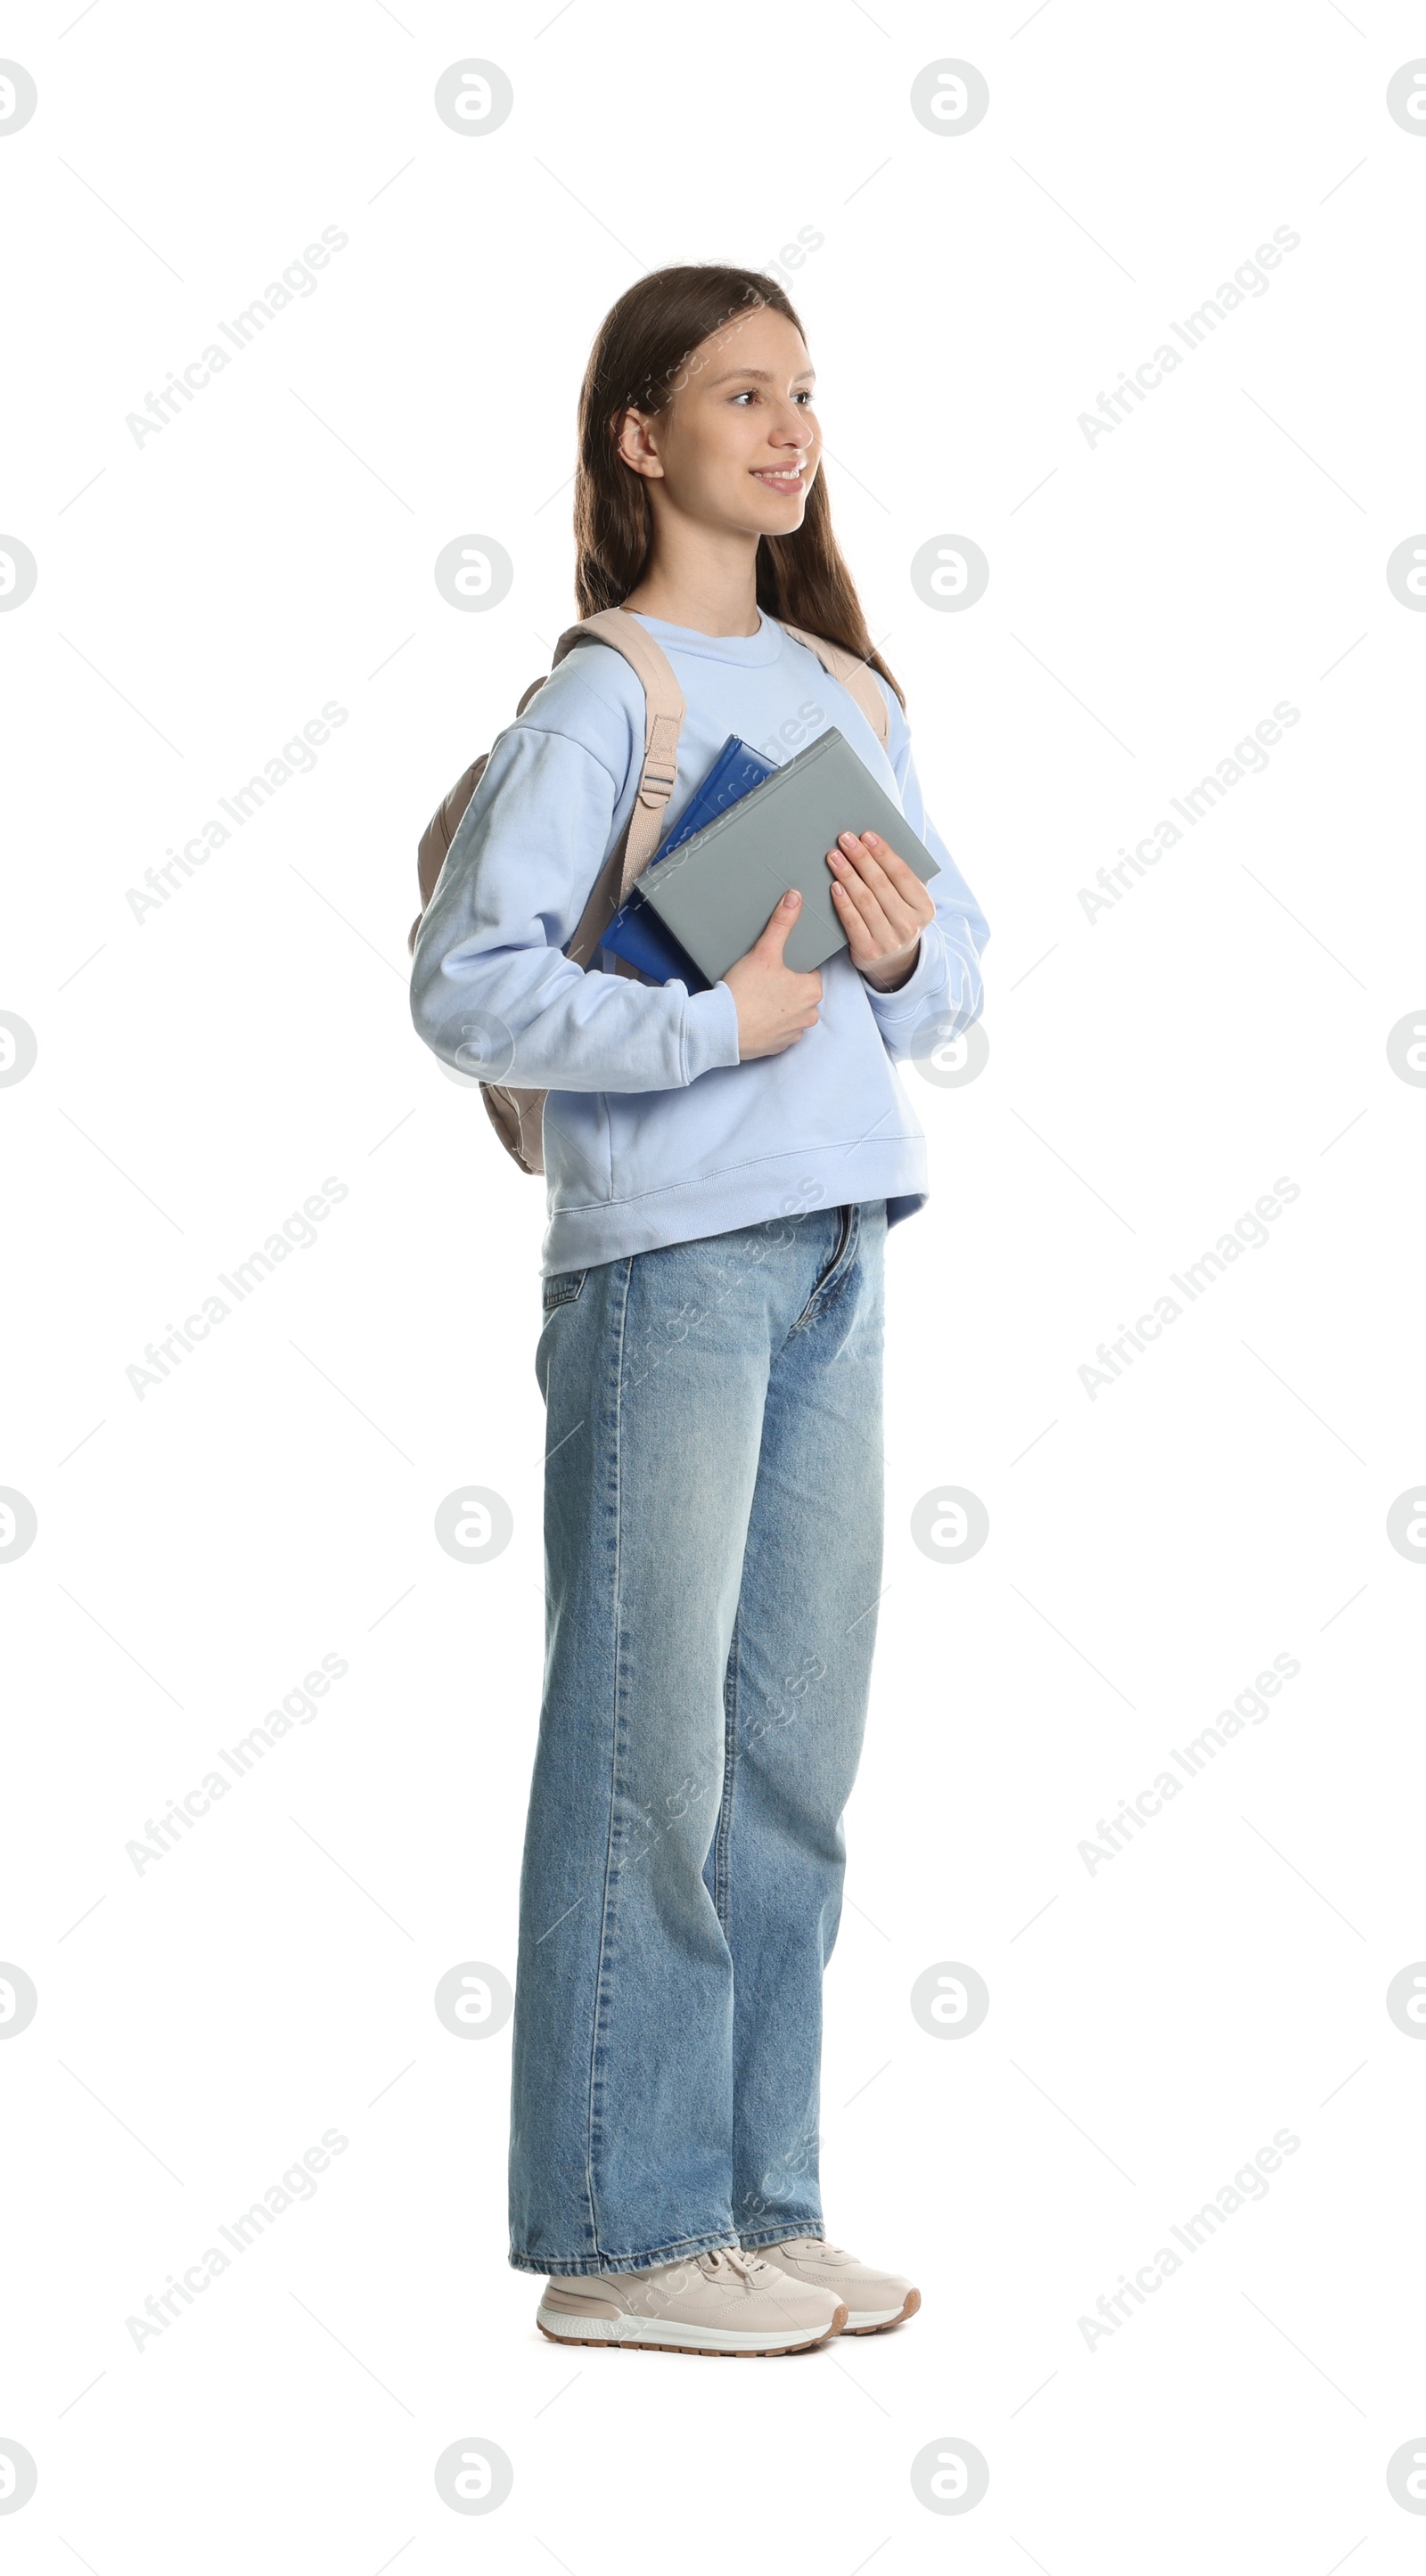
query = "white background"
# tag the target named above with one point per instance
(1151, 1073)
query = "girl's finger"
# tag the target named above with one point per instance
(869, 940)
(899, 894)
(859, 894)
(878, 861)
(899, 877)
(902, 876)
(904, 919)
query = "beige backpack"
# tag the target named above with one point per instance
(516, 1115)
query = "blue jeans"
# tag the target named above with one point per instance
(713, 1514)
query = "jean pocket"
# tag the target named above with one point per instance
(839, 1260)
(563, 1288)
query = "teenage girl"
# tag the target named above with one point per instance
(722, 1169)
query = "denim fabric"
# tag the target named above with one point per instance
(713, 1518)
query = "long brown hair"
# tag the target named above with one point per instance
(640, 359)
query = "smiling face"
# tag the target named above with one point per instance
(738, 446)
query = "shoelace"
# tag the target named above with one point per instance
(731, 2259)
(819, 2245)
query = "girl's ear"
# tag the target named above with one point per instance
(634, 444)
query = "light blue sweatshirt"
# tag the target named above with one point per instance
(654, 1131)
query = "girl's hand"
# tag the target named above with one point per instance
(882, 906)
(776, 1006)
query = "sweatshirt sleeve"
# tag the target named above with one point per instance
(491, 991)
(944, 993)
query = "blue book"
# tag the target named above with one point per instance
(636, 933)
(737, 770)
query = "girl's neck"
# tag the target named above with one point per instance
(699, 620)
(708, 587)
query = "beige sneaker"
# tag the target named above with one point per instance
(875, 2300)
(723, 2302)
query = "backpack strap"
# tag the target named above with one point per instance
(517, 1115)
(663, 724)
(855, 675)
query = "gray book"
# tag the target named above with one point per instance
(717, 889)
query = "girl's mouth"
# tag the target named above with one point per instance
(781, 478)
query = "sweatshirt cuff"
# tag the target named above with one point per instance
(710, 1031)
(910, 998)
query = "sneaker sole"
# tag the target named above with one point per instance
(875, 2321)
(718, 2343)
